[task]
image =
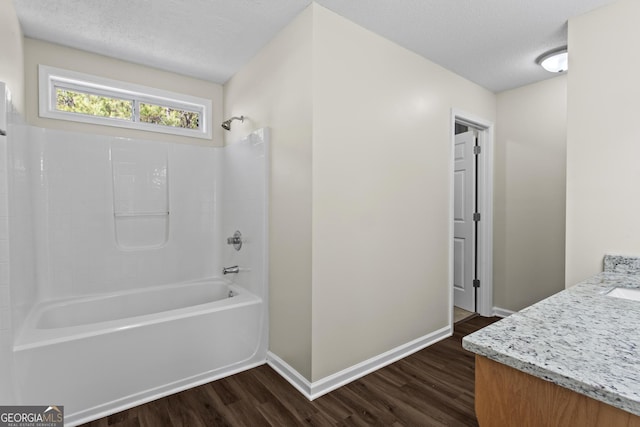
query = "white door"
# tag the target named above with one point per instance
(464, 225)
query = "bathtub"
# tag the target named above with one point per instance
(127, 348)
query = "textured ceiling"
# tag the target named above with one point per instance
(491, 42)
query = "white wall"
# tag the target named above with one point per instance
(274, 90)
(529, 196)
(40, 52)
(360, 160)
(11, 54)
(381, 173)
(603, 176)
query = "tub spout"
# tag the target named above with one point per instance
(227, 270)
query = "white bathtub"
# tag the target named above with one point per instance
(128, 348)
(124, 305)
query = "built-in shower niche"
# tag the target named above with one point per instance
(140, 195)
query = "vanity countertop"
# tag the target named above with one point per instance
(579, 338)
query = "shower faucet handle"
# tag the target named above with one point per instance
(233, 240)
(236, 240)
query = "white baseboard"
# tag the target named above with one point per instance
(287, 372)
(313, 390)
(502, 312)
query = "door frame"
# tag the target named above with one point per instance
(485, 131)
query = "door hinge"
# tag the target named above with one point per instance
(476, 283)
(477, 150)
(476, 216)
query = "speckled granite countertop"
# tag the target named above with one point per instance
(579, 339)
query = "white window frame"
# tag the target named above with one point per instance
(50, 78)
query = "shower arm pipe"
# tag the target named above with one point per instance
(227, 123)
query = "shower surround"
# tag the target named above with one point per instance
(116, 248)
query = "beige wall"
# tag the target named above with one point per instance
(381, 173)
(603, 146)
(40, 52)
(529, 193)
(11, 56)
(274, 89)
(360, 197)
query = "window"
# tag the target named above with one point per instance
(69, 95)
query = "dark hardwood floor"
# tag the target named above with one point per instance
(433, 387)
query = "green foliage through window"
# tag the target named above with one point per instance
(166, 116)
(116, 108)
(93, 105)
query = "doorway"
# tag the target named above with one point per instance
(471, 216)
(465, 218)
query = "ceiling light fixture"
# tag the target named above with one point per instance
(555, 61)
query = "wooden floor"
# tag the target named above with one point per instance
(433, 387)
(461, 314)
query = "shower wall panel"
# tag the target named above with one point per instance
(82, 196)
(245, 180)
(23, 274)
(5, 291)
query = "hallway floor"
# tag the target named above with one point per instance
(460, 314)
(433, 387)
